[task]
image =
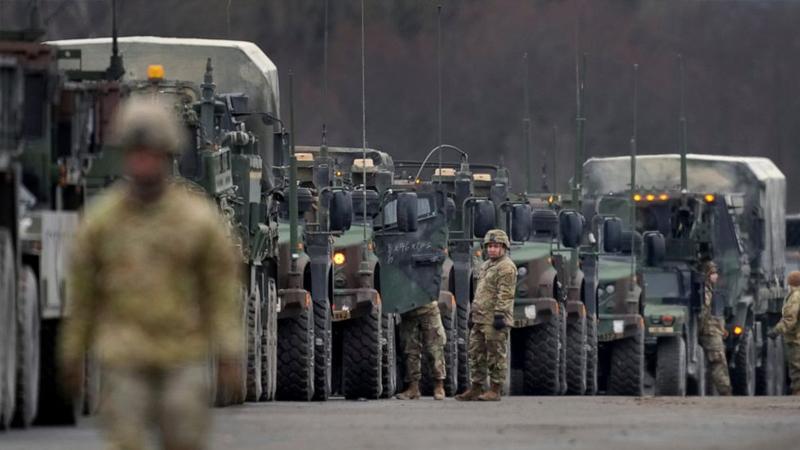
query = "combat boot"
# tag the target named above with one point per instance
(472, 393)
(493, 394)
(438, 390)
(411, 393)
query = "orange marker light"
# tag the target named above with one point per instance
(709, 198)
(650, 197)
(338, 258)
(155, 72)
(663, 197)
(637, 197)
(737, 330)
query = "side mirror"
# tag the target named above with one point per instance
(407, 211)
(520, 223)
(373, 203)
(341, 211)
(571, 228)
(612, 234)
(483, 219)
(628, 247)
(655, 248)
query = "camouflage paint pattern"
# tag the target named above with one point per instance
(422, 335)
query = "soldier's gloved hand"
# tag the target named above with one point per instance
(499, 322)
(772, 333)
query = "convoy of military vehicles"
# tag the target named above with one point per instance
(337, 242)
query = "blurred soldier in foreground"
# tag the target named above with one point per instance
(153, 289)
(713, 333)
(422, 332)
(789, 326)
(490, 319)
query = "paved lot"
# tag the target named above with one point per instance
(612, 423)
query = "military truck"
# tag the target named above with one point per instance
(229, 159)
(362, 336)
(731, 212)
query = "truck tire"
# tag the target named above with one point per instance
(388, 357)
(254, 347)
(671, 366)
(591, 355)
(323, 350)
(765, 375)
(696, 384)
(780, 367)
(362, 356)
(463, 347)
(56, 406)
(8, 329)
(626, 374)
(562, 346)
(296, 357)
(269, 341)
(743, 376)
(541, 368)
(28, 348)
(577, 356)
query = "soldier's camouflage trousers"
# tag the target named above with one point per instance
(421, 331)
(488, 351)
(714, 347)
(793, 361)
(172, 403)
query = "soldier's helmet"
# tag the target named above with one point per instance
(709, 267)
(146, 122)
(497, 236)
(794, 278)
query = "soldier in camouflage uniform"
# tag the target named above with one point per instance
(712, 335)
(422, 329)
(153, 287)
(490, 319)
(789, 326)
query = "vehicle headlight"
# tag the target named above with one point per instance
(530, 312)
(522, 271)
(610, 289)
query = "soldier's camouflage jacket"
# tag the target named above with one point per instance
(152, 285)
(789, 324)
(497, 282)
(710, 324)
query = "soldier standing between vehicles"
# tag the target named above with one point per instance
(153, 288)
(713, 333)
(422, 329)
(789, 326)
(490, 319)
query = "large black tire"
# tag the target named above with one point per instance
(28, 348)
(696, 384)
(780, 367)
(562, 346)
(743, 376)
(8, 329)
(450, 359)
(323, 350)
(56, 406)
(296, 357)
(269, 341)
(671, 366)
(362, 357)
(765, 375)
(626, 373)
(388, 357)
(254, 345)
(591, 355)
(463, 347)
(577, 356)
(542, 368)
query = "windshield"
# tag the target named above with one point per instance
(664, 285)
(424, 208)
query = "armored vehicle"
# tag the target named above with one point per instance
(228, 158)
(730, 212)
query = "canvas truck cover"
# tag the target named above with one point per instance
(239, 67)
(761, 183)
